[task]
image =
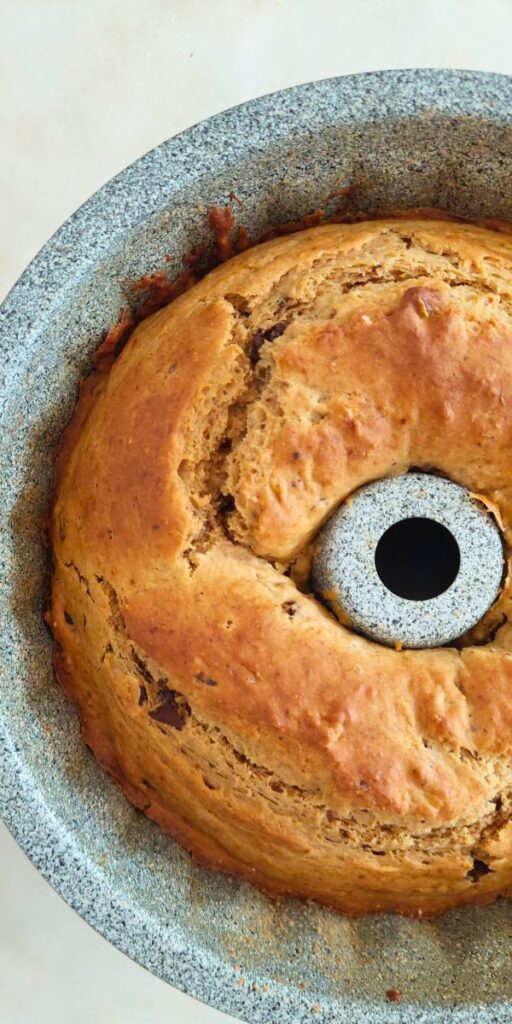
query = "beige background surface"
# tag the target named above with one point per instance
(85, 88)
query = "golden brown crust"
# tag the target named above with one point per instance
(230, 706)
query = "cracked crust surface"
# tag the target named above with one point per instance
(226, 701)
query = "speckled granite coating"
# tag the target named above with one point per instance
(345, 560)
(425, 137)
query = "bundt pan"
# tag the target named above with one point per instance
(410, 138)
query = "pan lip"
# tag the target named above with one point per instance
(30, 304)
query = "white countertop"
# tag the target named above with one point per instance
(85, 89)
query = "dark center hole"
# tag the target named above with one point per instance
(417, 559)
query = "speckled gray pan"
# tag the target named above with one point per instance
(433, 138)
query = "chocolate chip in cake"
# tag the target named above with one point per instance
(290, 607)
(239, 303)
(226, 504)
(260, 337)
(168, 714)
(203, 678)
(276, 331)
(276, 786)
(258, 340)
(479, 869)
(142, 668)
(174, 709)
